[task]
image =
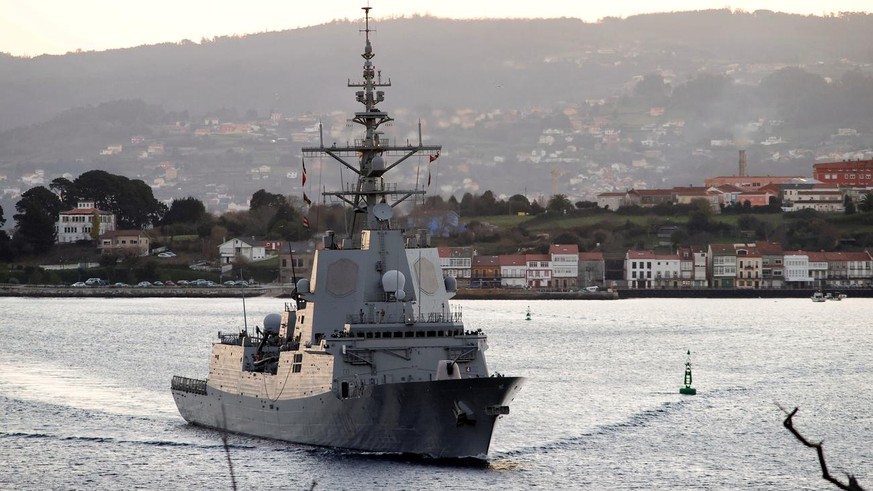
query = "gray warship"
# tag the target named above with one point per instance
(369, 355)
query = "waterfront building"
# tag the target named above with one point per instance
(513, 271)
(565, 265)
(796, 269)
(722, 265)
(692, 267)
(772, 264)
(485, 272)
(646, 269)
(457, 263)
(76, 224)
(848, 269)
(592, 269)
(539, 270)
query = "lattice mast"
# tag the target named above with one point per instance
(372, 149)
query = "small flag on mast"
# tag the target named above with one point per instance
(428, 178)
(433, 157)
(306, 199)
(304, 173)
(306, 223)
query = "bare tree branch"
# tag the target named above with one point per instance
(789, 423)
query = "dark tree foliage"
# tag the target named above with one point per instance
(559, 203)
(849, 206)
(6, 253)
(130, 200)
(286, 224)
(866, 204)
(67, 191)
(518, 203)
(37, 215)
(263, 199)
(185, 210)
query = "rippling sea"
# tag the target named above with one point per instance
(85, 400)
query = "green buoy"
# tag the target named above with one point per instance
(688, 389)
(527, 315)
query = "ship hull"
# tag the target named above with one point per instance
(440, 419)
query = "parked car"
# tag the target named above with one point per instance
(143, 284)
(94, 282)
(182, 283)
(121, 285)
(79, 284)
(169, 283)
(157, 283)
(167, 254)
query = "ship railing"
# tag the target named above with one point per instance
(236, 339)
(191, 385)
(381, 317)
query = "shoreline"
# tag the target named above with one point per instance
(279, 291)
(43, 291)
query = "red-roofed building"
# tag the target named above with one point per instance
(735, 266)
(485, 272)
(457, 263)
(76, 224)
(513, 271)
(848, 269)
(851, 173)
(692, 265)
(539, 270)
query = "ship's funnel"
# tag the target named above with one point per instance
(393, 281)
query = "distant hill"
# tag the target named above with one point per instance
(441, 63)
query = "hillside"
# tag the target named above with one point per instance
(521, 106)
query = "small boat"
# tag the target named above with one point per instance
(818, 297)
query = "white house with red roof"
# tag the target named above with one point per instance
(513, 271)
(539, 270)
(74, 225)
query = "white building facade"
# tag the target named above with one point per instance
(76, 224)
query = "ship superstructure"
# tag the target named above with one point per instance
(370, 355)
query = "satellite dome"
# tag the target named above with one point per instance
(451, 284)
(272, 323)
(303, 286)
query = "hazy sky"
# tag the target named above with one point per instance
(33, 27)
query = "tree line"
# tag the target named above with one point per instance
(270, 215)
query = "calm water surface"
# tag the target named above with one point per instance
(85, 401)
